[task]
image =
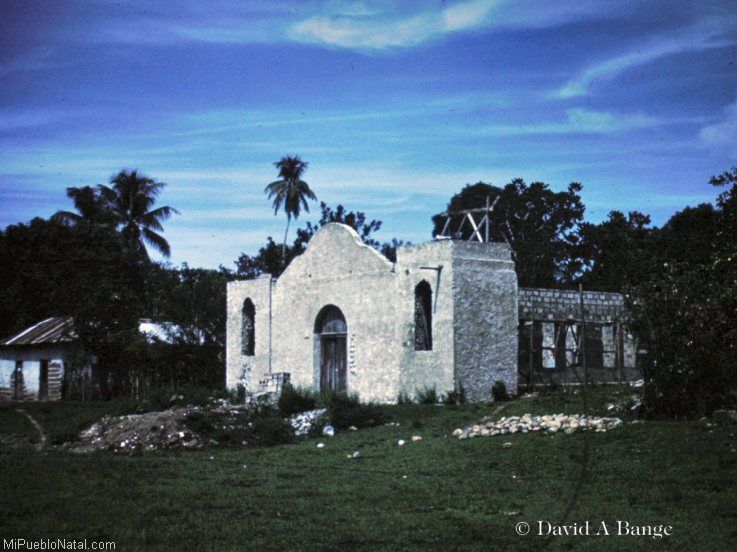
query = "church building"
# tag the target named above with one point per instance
(343, 317)
(447, 315)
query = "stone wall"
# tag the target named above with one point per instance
(339, 269)
(377, 299)
(485, 322)
(475, 318)
(240, 368)
(433, 263)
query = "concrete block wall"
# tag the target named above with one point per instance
(556, 304)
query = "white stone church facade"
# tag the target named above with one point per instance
(342, 316)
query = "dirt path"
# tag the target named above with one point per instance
(42, 435)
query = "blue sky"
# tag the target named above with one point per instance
(396, 106)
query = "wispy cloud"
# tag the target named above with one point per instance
(35, 59)
(707, 34)
(383, 29)
(372, 26)
(723, 133)
(577, 121)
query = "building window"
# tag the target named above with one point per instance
(248, 341)
(423, 317)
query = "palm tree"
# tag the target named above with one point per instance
(131, 197)
(290, 192)
(91, 208)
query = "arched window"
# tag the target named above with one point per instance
(248, 341)
(423, 317)
(330, 320)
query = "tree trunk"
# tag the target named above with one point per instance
(284, 245)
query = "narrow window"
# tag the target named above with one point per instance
(248, 341)
(423, 317)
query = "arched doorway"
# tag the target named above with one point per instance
(331, 331)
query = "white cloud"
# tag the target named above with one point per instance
(466, 15)
(360, 33)
(383, 29)
(578, 121)
(705, 35)
(723, 133)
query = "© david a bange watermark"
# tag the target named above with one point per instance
(617, 528)
(57, 544)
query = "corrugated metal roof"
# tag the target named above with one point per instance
(52, 330)
(60, 329)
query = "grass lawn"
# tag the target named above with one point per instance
(438, 493)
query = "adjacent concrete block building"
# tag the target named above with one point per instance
(343, 317)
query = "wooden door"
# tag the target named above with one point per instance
(333, 363)
(43, 383)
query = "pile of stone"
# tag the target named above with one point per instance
(304, 422)
(549, 424)
(182, 428)
(172, 429)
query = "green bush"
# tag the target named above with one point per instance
(457, 396)
(164, 398)
(294, 400)
(268, 427)
(683, 315)
(428, 395)
(404, 398)
(345, 410)
(499, 391)
(262, 426)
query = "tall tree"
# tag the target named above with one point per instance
(290, 192)
(685, 312)
(126, 205)
(540, 225)
(132, 197)
(618, 252)
(91, 205)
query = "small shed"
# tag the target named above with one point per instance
(32, 363)
(45, 361)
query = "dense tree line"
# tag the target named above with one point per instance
(91, 264)
(680, 280)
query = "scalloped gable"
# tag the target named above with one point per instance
(336, 249)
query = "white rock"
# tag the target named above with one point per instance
(320, 445)
(401, 442)
(328, 431)
(416, 438)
